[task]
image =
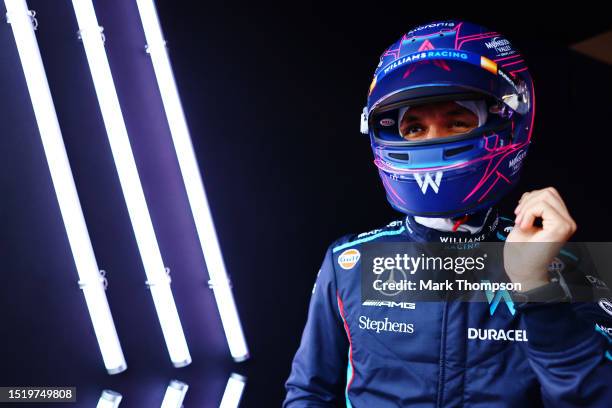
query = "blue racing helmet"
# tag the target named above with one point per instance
(456, 175)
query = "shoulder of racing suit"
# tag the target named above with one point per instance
(393, 228)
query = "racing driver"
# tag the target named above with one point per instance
(450, 114)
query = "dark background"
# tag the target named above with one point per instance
(272, 95)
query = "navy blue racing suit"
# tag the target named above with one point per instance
(427, 355)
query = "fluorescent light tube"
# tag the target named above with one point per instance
(233, 391)
(193, 182)
(175, 394)
(109, 399)
(157, 278)
(90, 278)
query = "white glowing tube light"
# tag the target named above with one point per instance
(21, 20)
(109, 399)
(193, 181)
(175, 394)
(233, 391)
(158, 280)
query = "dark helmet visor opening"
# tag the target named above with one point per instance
(385, 121)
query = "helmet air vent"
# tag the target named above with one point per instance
(457, 150)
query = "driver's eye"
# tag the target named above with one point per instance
(459, 123)
(412, 130)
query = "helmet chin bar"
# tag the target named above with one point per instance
(453, 174)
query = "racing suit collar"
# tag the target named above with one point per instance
(478, 228)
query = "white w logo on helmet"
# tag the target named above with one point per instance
(426, 181)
